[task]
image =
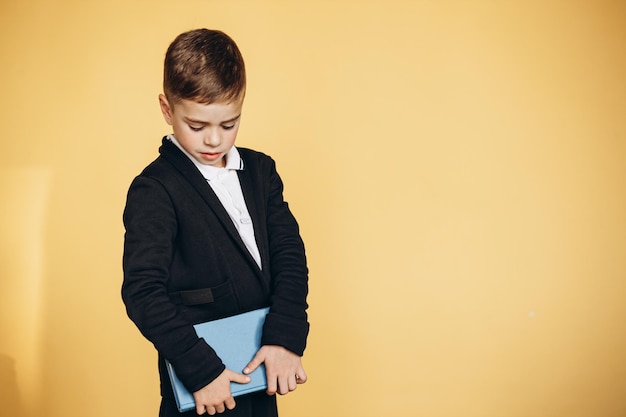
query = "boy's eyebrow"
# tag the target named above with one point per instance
(190, 120)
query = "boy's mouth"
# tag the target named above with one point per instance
(210, 155)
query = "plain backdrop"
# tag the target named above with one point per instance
(458, 169)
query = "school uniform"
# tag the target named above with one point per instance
(185, 262)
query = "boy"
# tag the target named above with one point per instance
(208, 235)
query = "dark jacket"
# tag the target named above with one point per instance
(185, 263)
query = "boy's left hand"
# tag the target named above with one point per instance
(283, 368)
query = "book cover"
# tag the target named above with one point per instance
(236, 340)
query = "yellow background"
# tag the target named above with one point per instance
(458, 169)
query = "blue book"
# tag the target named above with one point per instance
(236, 340)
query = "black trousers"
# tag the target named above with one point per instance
(258, 404)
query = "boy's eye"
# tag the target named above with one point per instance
(196, 128)
(228, 127)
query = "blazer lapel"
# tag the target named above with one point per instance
(188, 170)
(253, 202)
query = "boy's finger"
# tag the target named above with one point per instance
(230, 403)
(272, 386)
(239, 378)
(254, 363)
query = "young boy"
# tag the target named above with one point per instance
(208, 235)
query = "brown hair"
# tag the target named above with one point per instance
(205, 66)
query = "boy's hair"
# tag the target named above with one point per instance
(204, 66)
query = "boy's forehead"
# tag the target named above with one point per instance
(194, 110)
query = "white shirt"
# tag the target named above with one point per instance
(225, 183)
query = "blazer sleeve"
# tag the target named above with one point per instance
(286, 324)
(151, 229)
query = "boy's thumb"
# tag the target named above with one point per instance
(254, 363)
(239, 378)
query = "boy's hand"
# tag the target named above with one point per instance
(283, 368)
(216, 397)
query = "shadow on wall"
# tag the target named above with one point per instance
(9, 393)
(22, 221)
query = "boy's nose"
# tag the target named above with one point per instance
(212, 138)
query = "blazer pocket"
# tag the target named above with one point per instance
(204, 304)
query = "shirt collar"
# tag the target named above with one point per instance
(233, 161)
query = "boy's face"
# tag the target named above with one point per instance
(205, 131)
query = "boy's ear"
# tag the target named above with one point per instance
(166, 109)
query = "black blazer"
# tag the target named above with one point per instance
(184, 262)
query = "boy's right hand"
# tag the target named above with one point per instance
(216, 397)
